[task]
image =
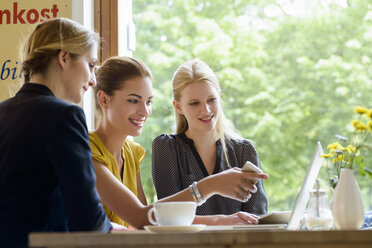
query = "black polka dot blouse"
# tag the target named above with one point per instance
(176, 164)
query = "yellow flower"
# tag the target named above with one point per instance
(361, 110)
(351, 148)
(350, 155)
(369, 115)
(337, 159)
(355, 123)
(334, 146)
(359, 126)
(328, 155)
(362, 127)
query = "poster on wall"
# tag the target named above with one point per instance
(17, 18)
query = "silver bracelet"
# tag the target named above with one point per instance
(199, 197)
(192, 193)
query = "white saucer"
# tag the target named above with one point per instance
(175, 229)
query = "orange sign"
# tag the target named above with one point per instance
(17, 18)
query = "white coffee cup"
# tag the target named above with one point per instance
(172, 213)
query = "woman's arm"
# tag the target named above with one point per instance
(119, 199)
(71, 160)
(140, 193)
(128, 207)
(233, 183)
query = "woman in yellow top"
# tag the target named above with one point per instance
(129, 174)
(109, 142)
(124, 94)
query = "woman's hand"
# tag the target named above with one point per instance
(116, 227)
(233, 183)
(239, 218)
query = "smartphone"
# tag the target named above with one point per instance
(249, 166)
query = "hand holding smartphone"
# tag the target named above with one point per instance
(250, 167)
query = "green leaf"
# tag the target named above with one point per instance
(369, 171)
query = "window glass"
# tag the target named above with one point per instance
(291, 73)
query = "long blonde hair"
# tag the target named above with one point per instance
(52, 36)
(198, 71)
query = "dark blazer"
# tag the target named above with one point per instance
(47, 179)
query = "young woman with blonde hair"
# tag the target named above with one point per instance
(47, 180)
(204, 145)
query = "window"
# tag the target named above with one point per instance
(291, 73)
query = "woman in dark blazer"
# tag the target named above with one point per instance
(47, 181)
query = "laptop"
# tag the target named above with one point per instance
(289, 220)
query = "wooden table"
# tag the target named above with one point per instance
(230, 239)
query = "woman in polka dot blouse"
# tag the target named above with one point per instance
(205, 146)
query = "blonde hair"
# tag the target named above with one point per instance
(198, 71)
(52, 36)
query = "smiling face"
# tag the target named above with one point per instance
(79, 75)
(128, 109)
(199, 103)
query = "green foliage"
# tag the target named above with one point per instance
(287, 81)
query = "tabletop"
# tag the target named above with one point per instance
(216, 238)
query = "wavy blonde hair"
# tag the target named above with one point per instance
(198, 71)
(52, 36)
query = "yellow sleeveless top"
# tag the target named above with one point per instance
(133, 154)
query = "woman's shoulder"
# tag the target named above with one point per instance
(133, 149)
(94, 139)
(240, 142)
(242, 145)
(132, 145)
(56, 103)
(65, 112)
(242, 149)
(96, 145)
(166, 138)
(67, 119)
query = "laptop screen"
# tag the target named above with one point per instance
(307, 185)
